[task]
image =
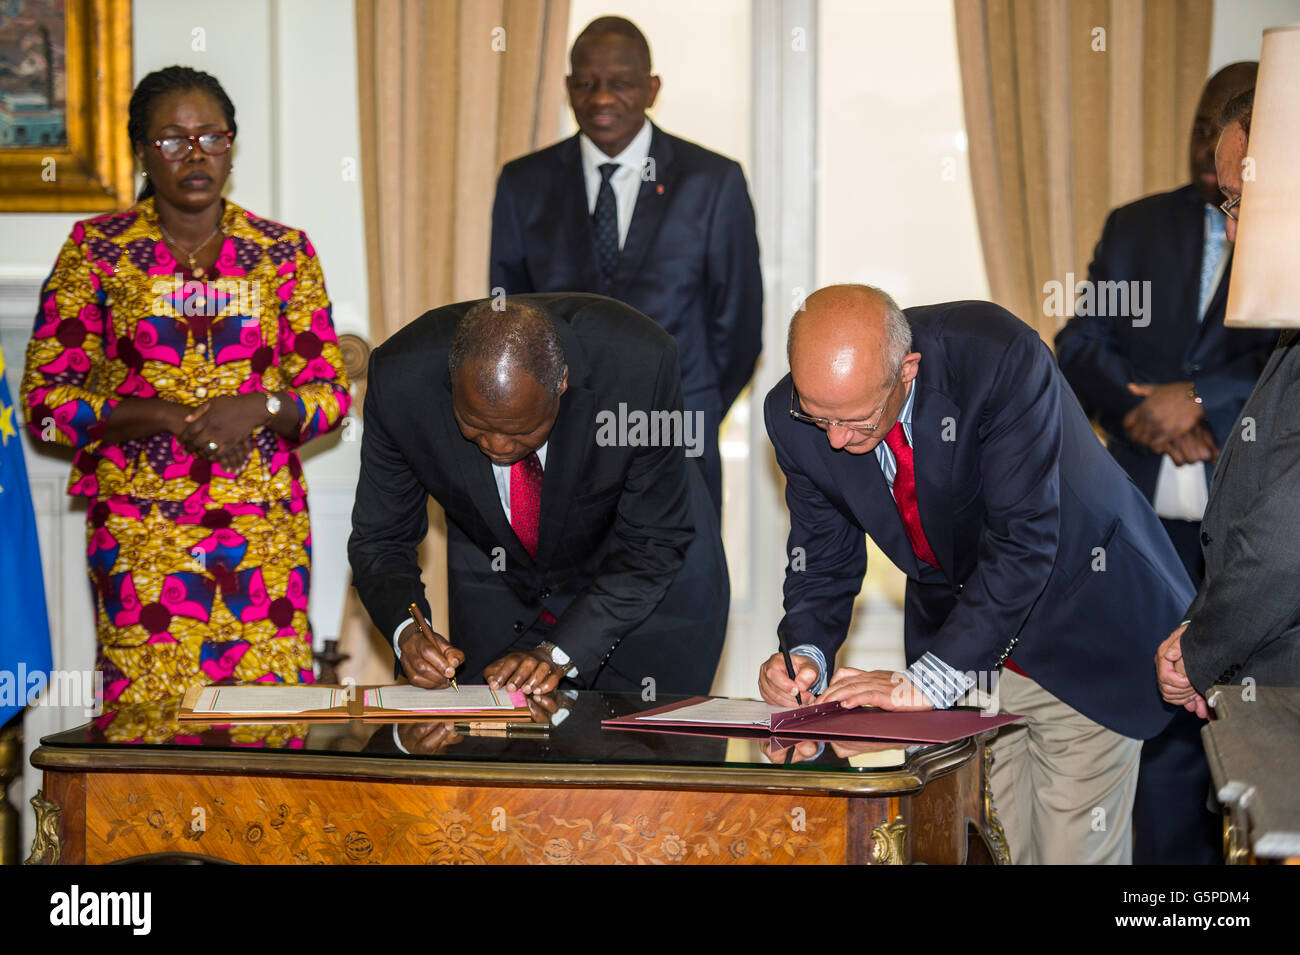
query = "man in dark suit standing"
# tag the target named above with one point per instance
(1244, 626)
(948, 435)
(1167, 387)
(628, 211)
(578, 546)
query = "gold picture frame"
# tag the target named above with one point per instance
(92, 171)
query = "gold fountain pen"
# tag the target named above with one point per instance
(418, 617)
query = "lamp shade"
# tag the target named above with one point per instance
(1265, 288)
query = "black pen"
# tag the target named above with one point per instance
(789, 665)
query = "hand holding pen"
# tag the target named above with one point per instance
(787, 679)
(428, 659)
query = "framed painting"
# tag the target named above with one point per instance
(65, 83)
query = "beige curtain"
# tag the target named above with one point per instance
(449, 90)
(1072, 108)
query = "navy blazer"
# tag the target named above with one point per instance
(690, 260)
(1016, 495)
(1159, 239)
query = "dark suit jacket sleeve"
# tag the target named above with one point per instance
(652, 529)
(826, 557)
(1224, 390)
(389, 519)
(1020, 451)
(735, 288)
(1089, 353)
(507, 268)
(1251, 601)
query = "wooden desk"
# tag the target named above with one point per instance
(135, 785)
(1253, 747)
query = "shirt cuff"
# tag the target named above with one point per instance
(940, 683)
(815, 654)
(397, 633)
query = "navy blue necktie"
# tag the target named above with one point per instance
(605, 220)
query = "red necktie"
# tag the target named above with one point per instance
(526, 507)
(905, 494)
(905, 497)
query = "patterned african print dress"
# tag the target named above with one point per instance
(198, 575)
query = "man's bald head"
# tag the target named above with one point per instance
(1238, 109)
(607, 26)
(861, 318)
(507, 375)
(1233, 78)
(849, 349)
(498, 346)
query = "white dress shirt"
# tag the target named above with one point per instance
(1182, 492)
(626, 181)
(500, 474)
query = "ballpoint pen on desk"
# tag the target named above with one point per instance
(789, 665)
(418, 617)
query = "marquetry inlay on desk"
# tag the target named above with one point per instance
(135, 784)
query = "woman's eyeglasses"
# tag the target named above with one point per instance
(1228, 205)
(174, 148)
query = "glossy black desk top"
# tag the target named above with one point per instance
(576, 751)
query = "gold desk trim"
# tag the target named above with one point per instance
(889, 843)
(108, 759)
(995, 835)
(47, 844)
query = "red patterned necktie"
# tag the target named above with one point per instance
(905, 494)
(526, 507)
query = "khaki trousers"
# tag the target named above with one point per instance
(1063, 786)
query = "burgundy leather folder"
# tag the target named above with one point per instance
(829, 721)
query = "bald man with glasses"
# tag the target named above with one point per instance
(947, 434)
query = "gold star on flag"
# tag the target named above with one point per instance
(6, 423)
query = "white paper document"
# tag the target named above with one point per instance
(417, 700)
(270, 699)
(733, 712)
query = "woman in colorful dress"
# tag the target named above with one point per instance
(185, 348)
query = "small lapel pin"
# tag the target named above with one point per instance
(660, 188)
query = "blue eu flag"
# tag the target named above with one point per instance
(25, 656)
